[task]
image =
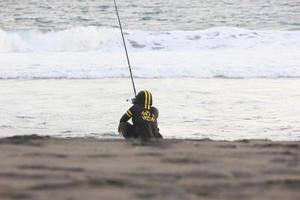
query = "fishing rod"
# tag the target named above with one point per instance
(124, 43)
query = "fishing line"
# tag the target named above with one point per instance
(124, 43)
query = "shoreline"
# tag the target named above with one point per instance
(42, 167)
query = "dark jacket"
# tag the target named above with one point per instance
(144, 116)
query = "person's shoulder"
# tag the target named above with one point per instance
(136, 108)
(154, 110)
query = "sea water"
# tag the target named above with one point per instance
(217, 69)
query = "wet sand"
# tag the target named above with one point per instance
(40, 168)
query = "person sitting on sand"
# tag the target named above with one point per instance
(144, 118)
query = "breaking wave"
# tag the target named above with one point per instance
(95, 38)
(93, 52)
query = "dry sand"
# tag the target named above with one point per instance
(86, 169)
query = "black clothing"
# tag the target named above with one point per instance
(144, 118)
(128, 130)
(143, 98)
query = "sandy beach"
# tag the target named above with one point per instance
(37, 168)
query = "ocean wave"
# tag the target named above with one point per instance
(108, 39)
(94, 53)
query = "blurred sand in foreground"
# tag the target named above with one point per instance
(38, 168)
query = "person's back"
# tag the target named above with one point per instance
(144, 117)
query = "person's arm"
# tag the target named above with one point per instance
(125, 118)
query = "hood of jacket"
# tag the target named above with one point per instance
(144, 98)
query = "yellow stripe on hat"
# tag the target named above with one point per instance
(146, 98)
(150, 98)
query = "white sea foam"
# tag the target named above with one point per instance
(95, 38)
(76, 39)
(91, 52)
